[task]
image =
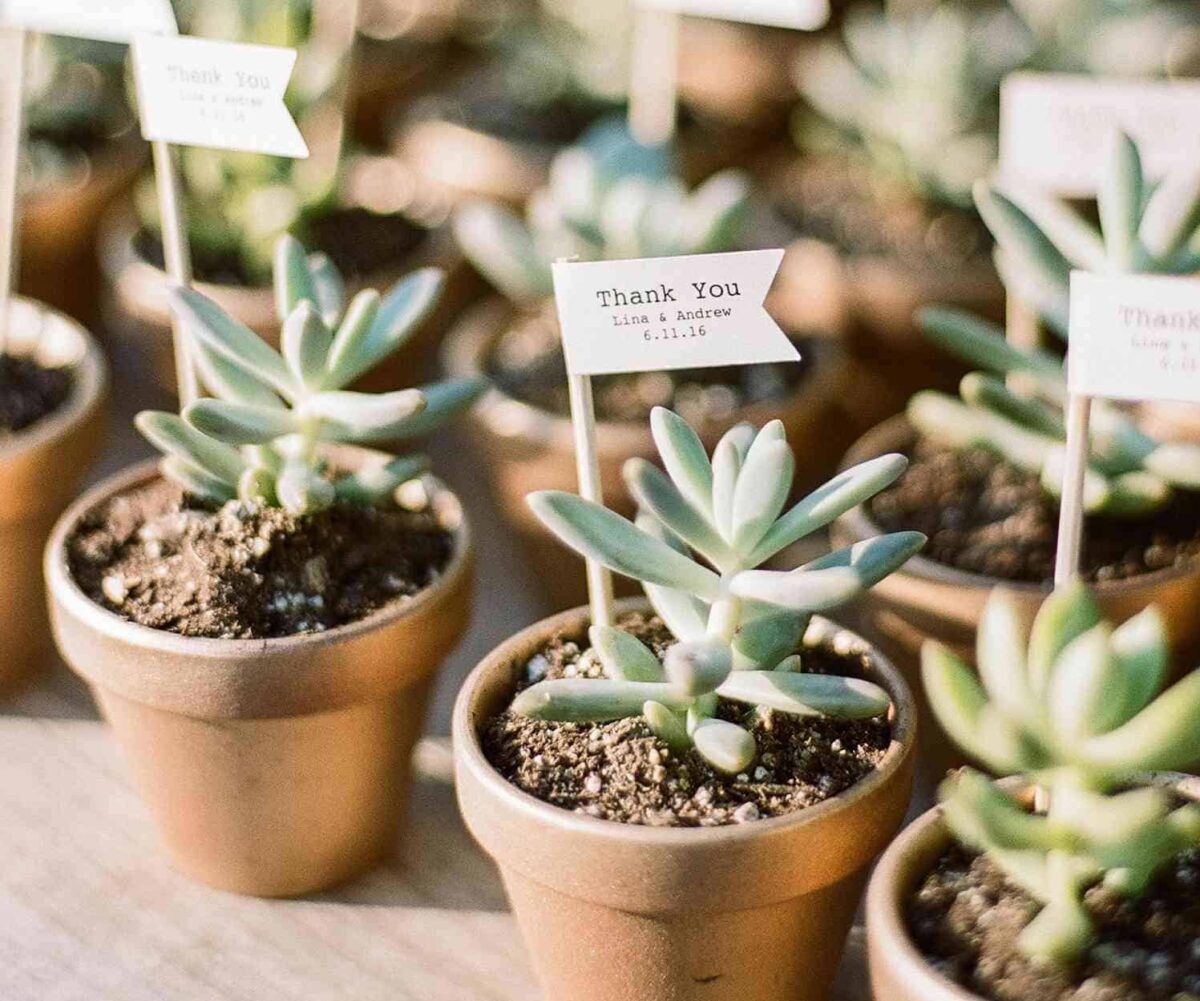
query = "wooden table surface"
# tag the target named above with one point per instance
(91, 911)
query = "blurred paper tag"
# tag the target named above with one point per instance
(669, 312)
(106, 20)
(1135, 337)
(222, 95)
(1055, 129)
(806, 15)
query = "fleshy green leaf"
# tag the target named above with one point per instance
(356, 415)
(596, 533)
(667, 727)
(807, 694)
(239, 423)
(656, 493)
(306, 341)
(379, 483)
(587, 700)
(444, 401)
(725, 746)
(293, 280)
(171, 434)
(1065, 615)
(762, 490)
(698, 666)
(683, 455)
(1120, 201)
(498, 244)
(196, 480)
(329, 287)
(624, 656)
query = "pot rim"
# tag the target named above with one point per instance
(108, 623)
(89, 380)
(470, 754)
(892, 435)
(890, 889)
(466, 344)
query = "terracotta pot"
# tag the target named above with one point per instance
(41, 468)
(616, 912)
(927, 600)
(527, 449)
(899, 972)
(135, 303)
(60, 225)
(273, 767)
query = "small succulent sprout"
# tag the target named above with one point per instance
(1074, 707)
(705, 527)
(918, 92)
(259, 437)
(1130, 473)
(1146, 227)
(592, 212)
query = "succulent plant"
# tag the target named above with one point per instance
(1073, 708)
(259, 438)
(1145, 228)
(238, 204)
(1130, 473)
(1135, 38)
(918, 91)
(737, 627)
(607, 199)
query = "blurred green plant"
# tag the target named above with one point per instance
(607, 199)
(1073, 708)
(738, 628)
(916, 91)
(260, 437)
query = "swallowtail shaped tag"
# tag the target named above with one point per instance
(806, 15)
(105, 20)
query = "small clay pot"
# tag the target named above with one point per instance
(618, 912)
(60, 226)
(899, 972)
(136, 310)
(41, 468)
(526, 448)
(273, 767)
(927, 600)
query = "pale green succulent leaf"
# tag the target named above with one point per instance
(807, 694)
(499, 245)
(1172, 215)
(762, 490)
(981, 343)
(302, 490)
(329, 288)
(1140, 648)
(684, 457)
(598, 534)
(1080, 700)
(655, 492)
(624, 656)
(1162, 737)
(762, 642)
(197, 480)
(227, 380)
(354, 416)
(1068, 613)
(1019, 237)
(239, 423)
(378, 484)
(305, 340)
(174, 436)
(1000, 653)
(981, 390)
(1120, 201)
(726, 465)
(293, 278)
(698, 667)
(667, 726)
(444, 401)
(725, 746)
(589, 700)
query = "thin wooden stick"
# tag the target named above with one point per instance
(12, 140)
(655, 75)
(1070, 517)
(587, 461)
(179, 264)
(334, 30)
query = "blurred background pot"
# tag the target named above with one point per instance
(925, 600)
(273, 767)
(616, 912)
(526, 448)
(899, 972)
(41, 468)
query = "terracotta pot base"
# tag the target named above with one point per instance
(618, 912)
(272, 767)
(41, 467)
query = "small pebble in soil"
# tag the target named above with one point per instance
(621, 771)
(966, 916)
(29, 392)
(984, 515)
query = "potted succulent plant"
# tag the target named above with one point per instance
(597, 207)
(82, 155)
(261, 615)
(52, 387)
(987, 466)
(1075, 877)
(906, 104)
(238, 204)
(684, 803)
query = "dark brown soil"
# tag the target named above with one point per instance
(863, 214)
(247, 571)
(360, 242)
(986, 516)
(966, 917)
(527, 364)
(29, 392)
(620, 771)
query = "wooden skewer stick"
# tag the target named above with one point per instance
(12, 140)
(655, 76)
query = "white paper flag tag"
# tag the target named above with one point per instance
(222, 95)
(805, 15)
(1054, 128)
(105, 20)
(1135, 337)
(669, 312)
